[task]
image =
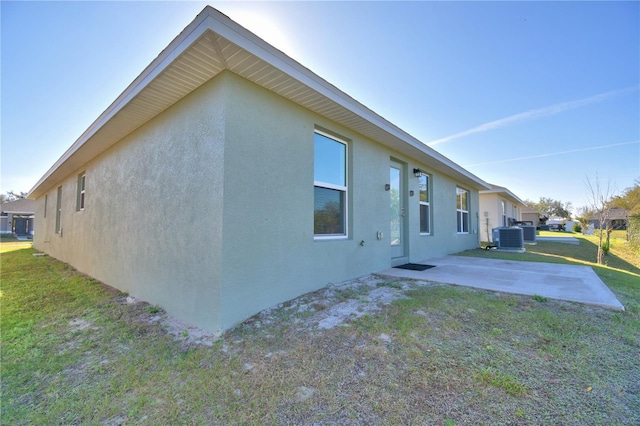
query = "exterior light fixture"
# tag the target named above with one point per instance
(417, 172)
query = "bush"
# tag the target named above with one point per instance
(576, 227)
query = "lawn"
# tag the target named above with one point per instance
(75, 352)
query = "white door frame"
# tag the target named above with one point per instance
(398, 213)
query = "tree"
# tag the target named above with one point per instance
(329, 219)
(12, 196)
(599, 198)
(630, 202)
(583, 215)
(549, 207)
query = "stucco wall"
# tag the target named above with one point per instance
(533, 217)
(490, 215)
(152, 223)
(492, 205)
(270, 254)
(207, 210)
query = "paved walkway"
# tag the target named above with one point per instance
(555, 281)
(565, 240)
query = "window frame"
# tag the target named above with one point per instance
(326, 185)
(424, 203)
(58, 227)
(80, 200)
(504, 213)
(462, 214)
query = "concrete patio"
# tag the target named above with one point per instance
(555, 281)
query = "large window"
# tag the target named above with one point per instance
(330, 186)
(462, 210)
(504, 213)
(58, 209)
(425, 205)
(81, 187)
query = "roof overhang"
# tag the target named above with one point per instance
(30, 214)
(505, 193)
(209, 45)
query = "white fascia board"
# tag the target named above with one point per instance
(189, 35)
(506, 193)
(515, 198)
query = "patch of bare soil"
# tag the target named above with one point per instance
(330, 307)
(300, 363)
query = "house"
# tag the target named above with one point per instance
(615, 218)
(499, 207)
(531, 215)
(16, 217)
(228, 178)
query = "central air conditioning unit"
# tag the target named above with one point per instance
(511, 239)
(529, 233)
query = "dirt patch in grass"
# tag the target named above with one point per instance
(368, 351)
(333, 306)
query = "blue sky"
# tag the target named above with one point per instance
(534, 96)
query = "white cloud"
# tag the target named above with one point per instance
(532, 114)
(551, 154)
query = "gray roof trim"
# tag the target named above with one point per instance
(21, 205)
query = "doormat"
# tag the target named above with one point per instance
(415, 267)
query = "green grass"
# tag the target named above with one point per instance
(74, 352)
(13, 244)
(502, 380)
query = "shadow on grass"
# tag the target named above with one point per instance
(554, 252)
(586, 254)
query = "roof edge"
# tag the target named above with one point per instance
(495, 189)
(210, 19)
(178, 45)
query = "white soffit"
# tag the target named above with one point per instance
(209, 45)
(499, 190)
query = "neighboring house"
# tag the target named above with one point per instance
(228, 178)
(616, 218)
(530, 215)
(16, 217)
(499, 207)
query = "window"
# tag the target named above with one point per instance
(462, 210)
(81, 186)
(330, 186)
(425, 206)
(58, 209)
(46, 199)
(504, 213)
